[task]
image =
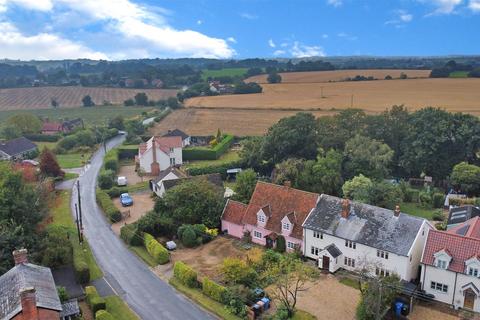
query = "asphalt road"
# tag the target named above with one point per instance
(146, 294)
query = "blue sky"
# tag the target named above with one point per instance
(120, 29)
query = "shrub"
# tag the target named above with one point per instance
(411, 195)
(103, 315)
(438, 215)
(218, 168)
(107, 205)
(213, 153)
(127, 153)
(281, 246)
(80, 266)
(90, 292)
(185, 274)
(115, 192)
(155, 249)
(438, 200)
(425, 199)
(111, 160)
(189, 237)
(213, 290)
(106, 179)
(129, 233)
(97, 303)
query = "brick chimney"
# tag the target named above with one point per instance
(287, 183)
(396, 212)
(29, 303)
(155, 167)
(20, 256)
(345, 208)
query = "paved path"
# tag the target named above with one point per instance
(146, 294)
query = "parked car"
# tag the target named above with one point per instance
(126, 200)
(121, 181)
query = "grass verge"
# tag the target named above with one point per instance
(349, 282)
(204, 301)
(72, 160)
(303, 315)
(70, 176)
(415, 209)
(228, 157)
(142, 253)
(118, 309)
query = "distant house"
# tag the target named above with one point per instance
(157, 83)
(451, 265)
(339, 233)
(28, 291)
(17, 148)
(186, 139)
(159, 153)
(51, 128)
(273, 211)
(459, 215)
(172, 173)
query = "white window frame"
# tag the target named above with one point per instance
(472, 271)
(172, 161)
(442, 264)
(382, 254)
(314, 251)
(286, 226)
(257, 234)
(439, 287)
(290, 245)
(349, 262)
(350, 244)
(261, 218)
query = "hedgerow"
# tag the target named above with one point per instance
(158, 252)
(107, 206)
(205, 153)
(213, 290)
(185, 274)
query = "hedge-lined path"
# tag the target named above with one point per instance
(145, 293)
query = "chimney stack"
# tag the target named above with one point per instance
(154, 166)
(396, 212)
(20, 256)
(345, 208)
(287, 183)
(29, 303)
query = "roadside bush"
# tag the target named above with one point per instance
(461, 201)
(58, 249)
(129, 233)
(107, 206)
(94, 300)
(156, 224)
(80, 266)
(185, 274)
(111, 161)
(204, 153)
(158, 252)
(115, 192)
(106, 179)
(438, 200)
(42, 137)
(213, 290)
(103, 315)
(90, 292)
(189, 238)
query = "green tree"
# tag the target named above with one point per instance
(335, 131)
(274, 78)
(54, 103)
(87, 101)
(189, 237)
(291, 137)
(11, 132)
(367, 156)
(289, 170)
(357, 188)
(27, 123)
(129, 103)
(49, 166)
(466, 177)
(141, 99)
(117, 123)
(377, 295)
(173, 103)
(281, 244)
(251, 153)
(236, 271)
(385, 195)
(245, 184)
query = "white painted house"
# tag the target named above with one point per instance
(451, 265)
(157, 185)
(186, 139)
(159, 153)
(352, 235)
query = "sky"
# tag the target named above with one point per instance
(236, 29)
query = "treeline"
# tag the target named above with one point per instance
(454, 69)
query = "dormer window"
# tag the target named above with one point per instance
(286, 226)
(442, 264)
(472, 267)
(473, 271)
(261, 218)
(442, 259)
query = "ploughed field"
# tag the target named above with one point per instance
(69, 97)
(339, 75)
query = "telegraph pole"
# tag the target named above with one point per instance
(79, 205)
(80, 238)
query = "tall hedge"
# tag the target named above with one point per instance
(205, 153)
(185, 274)
(107, 206)
(111, 160)
(219, 168)
(158, 252)
(129, 233)
(103, 315)
(213, 290)
(94, 300)
(127, 152)
(80, 265)
(42, 137)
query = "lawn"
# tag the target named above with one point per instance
(204, 301)
(73, 160)
(232, 72)
(228, 157)
(91, 116)
(349, 282)
(458, 74)
(415, 209)
(303, 315)
(118, 309)
(142, 253)
(49, 145)
(70, 176)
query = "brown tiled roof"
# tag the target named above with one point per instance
(460, 248)
(52, 126)
(282, 201)
(470, 228)
(234, 211)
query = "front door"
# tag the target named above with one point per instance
(269, 243)
(326, 263)
(469, 300)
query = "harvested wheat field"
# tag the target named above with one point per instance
(67, 97)
(235, 121)
(372, 96)
(339, 75)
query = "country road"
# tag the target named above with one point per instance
(146, 294)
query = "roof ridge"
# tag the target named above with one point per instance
(285, 187)
(454, 234)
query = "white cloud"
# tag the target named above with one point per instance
(248, 16)
(299, 50)
(346, 36)
(37, 5)
(325, 36)
(402, 16)
(442, 6)
(232, 40)
(284, 45)
(199, 22)
(44, 46)
(474, 5)
(271, 43)
(335, 3)
(279, 52)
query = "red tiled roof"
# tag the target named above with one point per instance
(470, 228)
(460, 248)
(52, 126)
(282, 201)
(234, 211)
(169, 142)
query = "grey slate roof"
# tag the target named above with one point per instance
(70, 308)
(368, 225)
(22, 276)
(165, 172)
(176, 133)
(17, 146)
(461, 214)
(333, 250)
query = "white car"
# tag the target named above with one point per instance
(122, 181)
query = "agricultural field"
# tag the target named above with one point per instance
(97, 115)
(69, 97)
(339, 75)
(372, 96)
(232, 72)
(238, 122)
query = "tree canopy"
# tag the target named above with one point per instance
(466, 177)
